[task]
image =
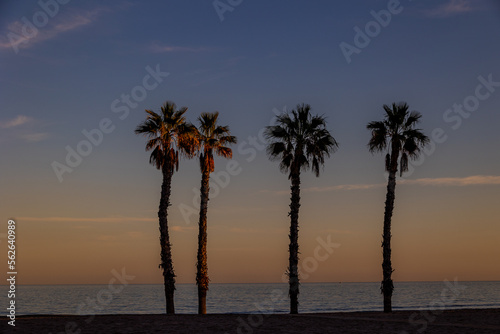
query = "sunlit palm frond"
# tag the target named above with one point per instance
(213, 138)
(168, 135)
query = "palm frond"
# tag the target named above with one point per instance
(403, 164)
(378, 141)
(397, 132)
(299, 141)
(413, 118)
(275, 150)
(224, 152)
(212, 138)
(169, 135)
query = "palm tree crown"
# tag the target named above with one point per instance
(398, 129)
(168, 134)
(213, 137)
(300, 141)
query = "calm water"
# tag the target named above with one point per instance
(250, 298)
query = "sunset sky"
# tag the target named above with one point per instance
(74, 67)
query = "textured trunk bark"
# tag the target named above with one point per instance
(293, 278)
(202, 301)
(387, 286)
(166, 249)
(201, 265)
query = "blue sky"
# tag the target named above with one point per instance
(263, 56)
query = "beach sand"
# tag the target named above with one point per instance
(447, 322)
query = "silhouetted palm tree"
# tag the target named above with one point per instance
(168, 134)
(299, 141)
(396, 134)
(212, 139)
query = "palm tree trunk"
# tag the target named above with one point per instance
(166, 249)
(293, 274)
(387, 286)
(201, 265)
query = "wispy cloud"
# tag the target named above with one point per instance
(159, 48)
(327, 189)
(87, 220)
(257, 230)
(343, 187)
(475, 180)
(18, 121)
(23, 127)
(177, 228)
(450, 8)
(57, 26)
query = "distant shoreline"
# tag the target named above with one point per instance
(431, 322)
(285, 283)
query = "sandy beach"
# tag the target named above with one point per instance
(451, 321)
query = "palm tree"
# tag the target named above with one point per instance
(212, 139)
(168, 134)
(299, 141)
(398, 135)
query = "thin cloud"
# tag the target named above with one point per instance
(475, 180)
(49, 32)
(176, 228)
(87, 220)
(256, 230)
(327, 189)
(18, 121)
(343, 187)
(131, 235)
(24, 128)
(450, 8)
(157, 48)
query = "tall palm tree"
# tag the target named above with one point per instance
(396, 134)
(212, 139)
(299, 141)
(168, 134)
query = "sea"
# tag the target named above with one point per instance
(249, 298)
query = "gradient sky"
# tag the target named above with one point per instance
(258, 58)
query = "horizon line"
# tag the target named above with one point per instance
(194, 283)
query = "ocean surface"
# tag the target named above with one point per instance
(249, 298)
